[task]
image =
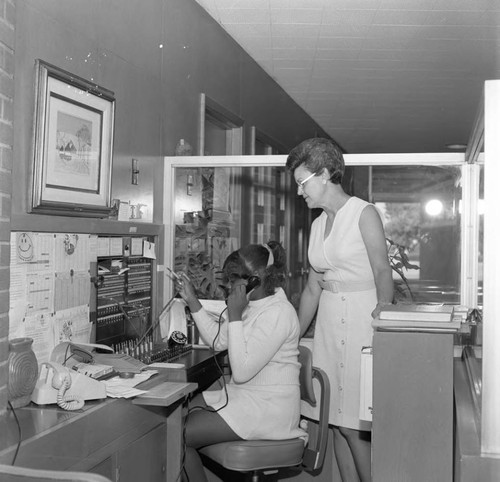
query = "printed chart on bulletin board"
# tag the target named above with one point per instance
(50, 288)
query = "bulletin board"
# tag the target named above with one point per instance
(50, 288)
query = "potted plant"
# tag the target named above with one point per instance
(399, 261)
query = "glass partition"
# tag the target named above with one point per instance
(421, 210)
(221, 203)
(216, 210)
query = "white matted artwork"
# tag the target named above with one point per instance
(74, 121)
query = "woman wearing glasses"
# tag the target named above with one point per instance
(350, 281)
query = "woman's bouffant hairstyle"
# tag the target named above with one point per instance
(254, 258)
(316, 154)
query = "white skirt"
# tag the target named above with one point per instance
(259, 412)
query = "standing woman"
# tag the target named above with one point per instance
(350, 281)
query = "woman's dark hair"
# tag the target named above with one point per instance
(316, 154)
(254, 258)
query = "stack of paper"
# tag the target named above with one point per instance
(418, 317)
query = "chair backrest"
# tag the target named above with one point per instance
(314, 453)
(9, 473)
(305, 377)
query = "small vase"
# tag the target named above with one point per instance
(23, 371)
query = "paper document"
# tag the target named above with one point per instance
(117, 387)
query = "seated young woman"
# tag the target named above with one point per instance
(261, 331)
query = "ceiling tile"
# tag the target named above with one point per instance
(377, 75)
(243, 15)
(400, 17)
(296, 16)
(348, 17)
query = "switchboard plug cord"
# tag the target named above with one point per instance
(120, 306)
(198, 407)
(221, 371)
(214, 354)
(154, 325)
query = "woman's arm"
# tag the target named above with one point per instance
(251, 350)
(209, 330)
(309, 300)
(372, 232)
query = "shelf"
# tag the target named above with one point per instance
(45, 223)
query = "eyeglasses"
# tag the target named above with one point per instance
(301, 183)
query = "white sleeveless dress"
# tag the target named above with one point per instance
(343, 322)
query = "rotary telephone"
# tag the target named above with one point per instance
(65, 387)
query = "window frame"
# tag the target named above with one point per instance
(470, 179)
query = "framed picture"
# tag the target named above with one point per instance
(73, 145)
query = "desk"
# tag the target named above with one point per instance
(125, 440)
(166, 395)
(199, 367)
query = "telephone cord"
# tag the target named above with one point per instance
(68, 402)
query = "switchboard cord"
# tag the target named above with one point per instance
(153, 327)
(125, 314)
(198, 407)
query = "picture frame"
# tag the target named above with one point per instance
(73, 145)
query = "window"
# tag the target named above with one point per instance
(428, 203)
(420, 207)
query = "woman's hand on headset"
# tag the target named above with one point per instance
(237, 301)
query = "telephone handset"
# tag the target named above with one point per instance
(252, 283)
(81, 353)
(61, 381)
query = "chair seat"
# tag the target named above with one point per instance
(250, 455)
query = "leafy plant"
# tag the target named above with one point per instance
(399, 261)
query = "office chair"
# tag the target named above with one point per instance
(262, 457)
(10, 473)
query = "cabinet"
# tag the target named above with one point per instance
(412, 407)
(124, 440)
(143, 459)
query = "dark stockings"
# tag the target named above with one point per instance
(203, 427)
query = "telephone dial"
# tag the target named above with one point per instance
(177, 338)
